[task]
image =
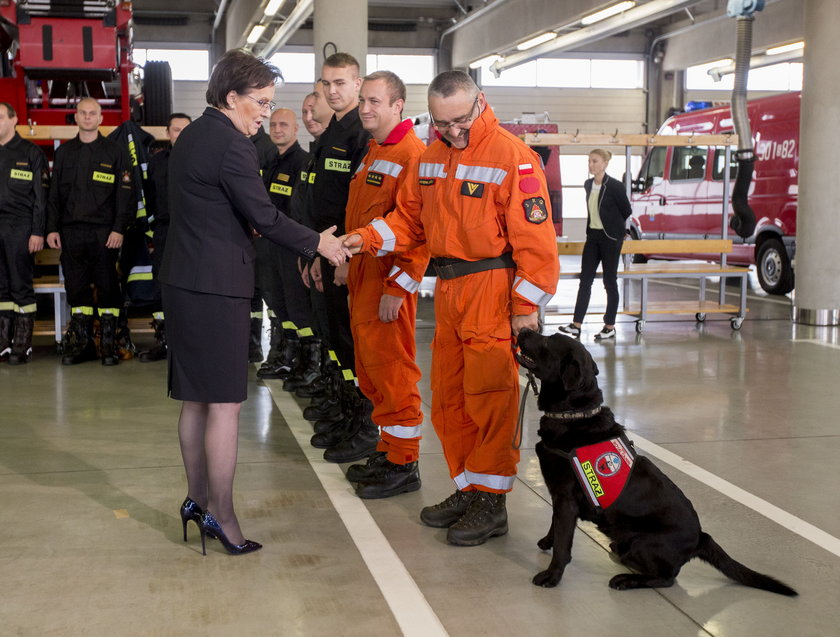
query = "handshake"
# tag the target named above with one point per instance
(337, 250)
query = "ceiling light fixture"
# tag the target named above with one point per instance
(786, 48)
(530, 44)
(485, 61)
(609, 12)
(273, 7)
(255, 34)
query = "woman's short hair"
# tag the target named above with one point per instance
(239, 71)
(603, 154)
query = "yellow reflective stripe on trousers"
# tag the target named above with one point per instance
(347, 374)
(87, 310)
(140, 273)
(304, 332)
(288, 325)
(113, 311)
(25, 309)
(6, 306)
(255, 315)
(157, 315)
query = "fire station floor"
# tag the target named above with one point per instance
(745, 422)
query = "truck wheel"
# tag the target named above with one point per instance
(157, 93)
(774, 272)
(637, 258)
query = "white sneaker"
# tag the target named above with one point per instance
(606, 332)
(571, 330)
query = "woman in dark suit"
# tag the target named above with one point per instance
(608, 208)
(216, 197)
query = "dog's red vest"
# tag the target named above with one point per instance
(603, 469)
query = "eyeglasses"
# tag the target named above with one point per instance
(460, 122)
(264, 104)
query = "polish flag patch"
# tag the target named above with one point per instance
(525, 169)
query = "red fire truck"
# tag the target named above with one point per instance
(679, 190)
(55, 52)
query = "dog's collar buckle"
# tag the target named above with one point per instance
(576, 414)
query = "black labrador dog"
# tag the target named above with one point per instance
(593, 473)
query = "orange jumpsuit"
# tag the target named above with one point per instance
(485, 200)
(385, 352)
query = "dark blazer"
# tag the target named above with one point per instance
(216, 196)
(613, 206)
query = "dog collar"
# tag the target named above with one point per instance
(577, 414)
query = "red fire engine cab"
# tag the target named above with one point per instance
(679, 190)
(55, 52)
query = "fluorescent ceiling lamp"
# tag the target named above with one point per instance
(530, 44)
(609, 12)
(273, 7)
(786, 48)
(485, 61)
(255, 33)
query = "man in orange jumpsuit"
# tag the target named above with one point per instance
(479, 201)
(383, 297)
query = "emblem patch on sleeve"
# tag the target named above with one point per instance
(535, 209)
(472, 189)
(374, 179)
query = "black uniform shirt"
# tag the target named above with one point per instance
(338, 153)
(282, 175)
(24, 183)
(156, 190)
(91, 184)
(266, 150)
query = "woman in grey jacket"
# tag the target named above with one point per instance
(608, 208)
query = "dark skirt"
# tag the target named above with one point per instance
(207, 343)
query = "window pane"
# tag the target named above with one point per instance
(574, 169)
(617, 74)
(522, 75)
(185, 64)
(770, 78)
(565, 73)
(371, 63)
(412, 69)
(720, 160)
(796, 76)
(688, 162)
(296, 67)
(574, 202)
(696, 77)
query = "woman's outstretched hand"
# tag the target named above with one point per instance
(331, 247)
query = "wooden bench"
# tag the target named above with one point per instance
(673, 269)
(52, 284)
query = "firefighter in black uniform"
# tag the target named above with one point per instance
(338, 153)
(24, 180)
(91, 203)
(157, 209)
(277, 275)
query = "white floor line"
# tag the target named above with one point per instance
(770, 511)
(817, 341)
(410, 608)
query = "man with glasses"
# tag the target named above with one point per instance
(479, 201)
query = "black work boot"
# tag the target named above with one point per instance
(7, 318)
(108, 342)
(284, 354)
(448, 512)
(328, 405)
(22, 339)
(255, 353)
(390, 479)
(362, 438)
(361, 472)
(78, 341)
(486, 517)
(309, 366)
(328, 434)
(158, 351)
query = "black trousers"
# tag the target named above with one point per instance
(16, 264)
(87, 261)
(268, 284)
(295, 294)
(338, 317)
(159, 243)
(599, 248)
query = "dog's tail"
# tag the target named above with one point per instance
(709, 551)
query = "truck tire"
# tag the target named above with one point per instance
(774, 272)
(157, 93)
(637, 258)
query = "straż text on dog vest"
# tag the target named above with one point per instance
(603, 469)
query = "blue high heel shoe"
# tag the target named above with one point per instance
(208, 525)
(190, 511)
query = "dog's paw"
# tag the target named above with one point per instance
(547, 578)
(546, 543)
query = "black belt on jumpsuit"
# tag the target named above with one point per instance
(449, 268)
